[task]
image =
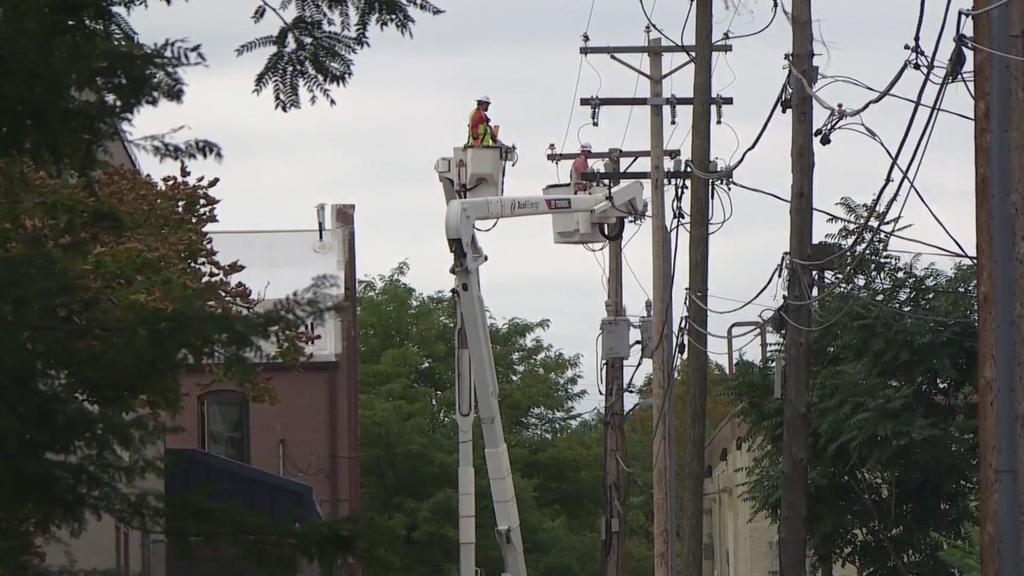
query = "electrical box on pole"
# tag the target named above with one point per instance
(615, 338)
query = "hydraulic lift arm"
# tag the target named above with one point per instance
(475, 373)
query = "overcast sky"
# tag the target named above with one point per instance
(410, 99)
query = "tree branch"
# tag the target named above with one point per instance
(855, 483)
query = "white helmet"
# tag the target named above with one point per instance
(486, 99)
(586, 147)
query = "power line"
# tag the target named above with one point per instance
(625, 260)
(735, 350)
(839, 110)
(977, 46)
(579, 73)
(836, 78)
(752, 300)
(980, 11)
(944, 251)
(753, 144)
(660, 31)
(871, 135)
(728, 36)
(895, 159)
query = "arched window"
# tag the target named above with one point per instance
(224, 424)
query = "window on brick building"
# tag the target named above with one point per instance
(224, 424)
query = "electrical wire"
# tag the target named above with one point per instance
(600, 80)
(572, 110)
(841, 313)
(662, 32)
(727, 36)
(629, 113)
(713, 352)
(753, 144)
(981, 11)
(834, 78)
(917, 192)
(579, 74)
(838, 109)
(670, 377)
(672, 57)
(736, 137)
(944, 251)
(745, 304)
(892, 166)
(916, 315)
(725, 336)
(724, 57)
(737, 300)
(977, 46)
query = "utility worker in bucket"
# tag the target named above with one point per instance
(579, 166)
(481, 133)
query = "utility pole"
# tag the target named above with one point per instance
(613, 549)
(796, 419)
(663, 347)
(1015, 46)
(697, 356)
(986, 309)
(615, 483)
(999, 145)
(613, 561)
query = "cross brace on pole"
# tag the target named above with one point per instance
(612, 153)
(670, 101)
(648, 49)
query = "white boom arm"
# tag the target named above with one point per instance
(475, 374)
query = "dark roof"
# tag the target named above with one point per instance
(217, 480)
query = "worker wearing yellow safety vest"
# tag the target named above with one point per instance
(481, 133)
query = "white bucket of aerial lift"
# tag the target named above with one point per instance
(474, 171)
(584, 227)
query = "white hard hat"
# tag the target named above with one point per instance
(586, 146)
(484, 98)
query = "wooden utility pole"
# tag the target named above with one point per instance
(662, 292)
(1015, 47)
(613, 561)
(663, 347)
(795, 422)
(613, 548)
(986, 309)
(615, 481)
(697, 356)
(999, 146)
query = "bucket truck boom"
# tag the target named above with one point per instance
(473, 180)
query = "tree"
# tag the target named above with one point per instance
(893, 454)
(76, 71)
(409, 439)
(109, 285)
(111, 288)
(313, 51)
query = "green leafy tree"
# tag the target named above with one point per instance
(109, 285)
(76, 71)
(316, 42)
(408, 437)
(893, 453)
(111, 288)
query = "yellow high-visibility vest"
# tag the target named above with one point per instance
(483, 135)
